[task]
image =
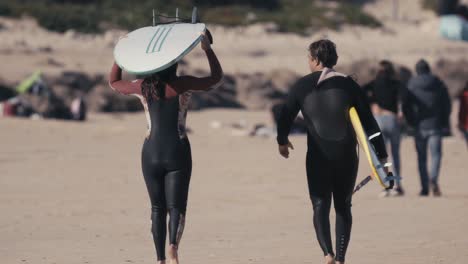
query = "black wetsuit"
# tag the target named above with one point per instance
(166, 157)
(167, 165)
(332, 157)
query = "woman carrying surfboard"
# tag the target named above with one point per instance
(166, 155)
(325, 98)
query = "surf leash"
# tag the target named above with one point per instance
(362, 183)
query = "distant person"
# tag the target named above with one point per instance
(385, 95)
(462, 11)
(447, 7)
(78, 109)
(427, 108)
(463, 113)
(166, 155)
(325, 97)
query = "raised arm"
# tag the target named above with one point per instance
(368, 121)
(186, 83)
(122, 86)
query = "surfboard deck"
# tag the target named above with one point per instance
(377, 169)
(155, 48)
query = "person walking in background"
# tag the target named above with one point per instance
(463, 113)
(427, 108)
(385, 94)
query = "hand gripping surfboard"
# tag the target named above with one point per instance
(377, 169)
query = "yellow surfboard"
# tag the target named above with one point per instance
(377, 169)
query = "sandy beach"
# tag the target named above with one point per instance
(74, 193)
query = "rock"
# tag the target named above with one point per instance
(70, 34)
(253, 91)
(6, 92)
(103, 99)
(283, 79)
(224, 96)
(77, 81)
(257, 91)
(55, 63)
(45, 49)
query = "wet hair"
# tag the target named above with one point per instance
(154, 85)
(422, 67)
(324, 51)
(386, 70)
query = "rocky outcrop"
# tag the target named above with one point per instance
(224, 96)
(104, 99)
(258, 91)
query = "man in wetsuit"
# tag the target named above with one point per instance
(325, 97)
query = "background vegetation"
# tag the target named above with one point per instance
(430, 4)
(92, 16)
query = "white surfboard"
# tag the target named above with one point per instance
(152, 49)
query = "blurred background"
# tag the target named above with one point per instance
(63, 182)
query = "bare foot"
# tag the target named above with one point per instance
(173, 257)
(340, 262)
(161, 262)
(329, 259)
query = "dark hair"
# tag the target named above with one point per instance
(422, 67)
(154, 86)
(324, 51)
(386, 70)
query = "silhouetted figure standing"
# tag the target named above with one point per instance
(427, 108)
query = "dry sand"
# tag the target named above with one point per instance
(74, 193)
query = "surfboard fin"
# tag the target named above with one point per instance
(194, 15)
